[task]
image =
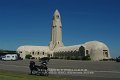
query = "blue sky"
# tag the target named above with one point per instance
(28, 22)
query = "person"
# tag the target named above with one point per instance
(31, 66)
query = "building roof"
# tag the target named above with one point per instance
(68, 48)
(33, 48)
(96, 45)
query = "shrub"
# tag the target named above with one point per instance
(68, 58)
(86, 57)
(54, 57)
(28, 56)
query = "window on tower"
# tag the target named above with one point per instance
(57, 16)
(54, 26)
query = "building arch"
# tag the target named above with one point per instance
(82, 51)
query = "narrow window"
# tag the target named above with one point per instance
(57, 16)
(38, 53)
(51, 55)
(32, 53)
(43, 53)
(87, 52)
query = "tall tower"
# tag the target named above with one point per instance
(56, 34)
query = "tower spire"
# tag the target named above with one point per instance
(56, 34)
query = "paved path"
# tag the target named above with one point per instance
(95, 70)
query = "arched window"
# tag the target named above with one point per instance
(51, 55)
(82, 51)
(32, 53)
(43, 53)
(38, 53)
(20, 52)
(87, 52)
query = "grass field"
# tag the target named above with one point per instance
(7, 75)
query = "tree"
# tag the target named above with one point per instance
(86, 57)
(28, 56)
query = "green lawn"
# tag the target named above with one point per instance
(7, 75)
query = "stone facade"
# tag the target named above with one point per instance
(97, 50)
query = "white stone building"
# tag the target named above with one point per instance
(97, 50)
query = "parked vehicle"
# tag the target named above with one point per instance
(10, 57)
(38, 69)
(0, 57)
